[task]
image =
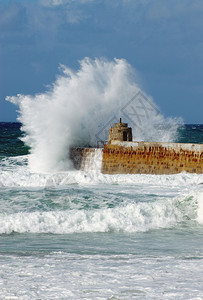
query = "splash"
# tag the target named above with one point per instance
(75, 108)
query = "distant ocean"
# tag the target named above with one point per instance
(85, 235)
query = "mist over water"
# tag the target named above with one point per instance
(75, 108)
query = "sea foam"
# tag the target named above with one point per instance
(16, 173)
(129, 217)
(200, 208)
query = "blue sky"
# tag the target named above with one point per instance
(161, 39)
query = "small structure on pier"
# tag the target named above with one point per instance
(120, 132)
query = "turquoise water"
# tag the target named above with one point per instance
(85, 235)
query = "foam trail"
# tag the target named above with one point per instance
(73, 110)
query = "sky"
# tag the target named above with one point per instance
(161, 39)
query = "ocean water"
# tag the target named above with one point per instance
(84, 235)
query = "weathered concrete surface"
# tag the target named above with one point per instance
(120, 132)
(152, 158)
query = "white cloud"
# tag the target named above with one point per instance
(164, 9)
(50, 3)
(63, 2)
(70, 11)
(74, 16)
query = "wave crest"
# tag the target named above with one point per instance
(132, 217)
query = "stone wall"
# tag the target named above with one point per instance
(143, 158)
(120, 132)
(152, 158)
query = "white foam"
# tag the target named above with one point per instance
(129, 217)
(200, 207)
(75, 109)
(15, 172)
(109, 276)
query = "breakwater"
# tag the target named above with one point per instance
(142, 158)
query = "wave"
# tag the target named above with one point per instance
(80, 106)
(131, 217)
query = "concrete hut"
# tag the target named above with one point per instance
(120, 132)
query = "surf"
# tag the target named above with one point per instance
(128, 217)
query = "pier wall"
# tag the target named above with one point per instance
(152, 158)
(143, 158)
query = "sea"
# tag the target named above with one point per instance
(85, 235)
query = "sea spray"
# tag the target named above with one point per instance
(76, 107)
(93, 162)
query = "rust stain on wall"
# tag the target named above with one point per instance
(152, 158)
(144, 158)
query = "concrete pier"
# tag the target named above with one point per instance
(123, 156)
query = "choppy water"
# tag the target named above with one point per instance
(85, 235)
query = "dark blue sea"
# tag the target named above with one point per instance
(84, 235)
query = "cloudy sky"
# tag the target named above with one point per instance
(161, 39)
